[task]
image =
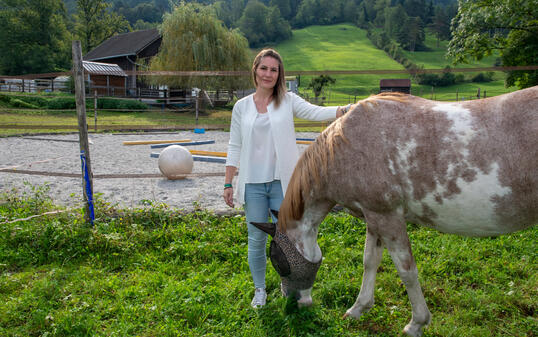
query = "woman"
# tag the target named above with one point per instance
(262, 141)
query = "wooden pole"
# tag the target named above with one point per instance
(95, 109)
(197, 103)
(80, 99)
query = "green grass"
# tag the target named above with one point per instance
(107, 118)
(435, 57)
(160, 272)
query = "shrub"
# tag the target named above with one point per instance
(39, 102)
(446, 79)
(482, 77)
(17, 103)
(5, 98)
(61, 103)
(120, 104)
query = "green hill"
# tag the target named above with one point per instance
(346, 47)
(337, 47)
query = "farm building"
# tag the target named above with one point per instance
(105, 78)
(398, 84)
(129, 51)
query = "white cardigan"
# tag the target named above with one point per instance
(282, 128)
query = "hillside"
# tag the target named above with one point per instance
(336, 47)
(346, 47)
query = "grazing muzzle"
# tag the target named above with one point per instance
(296, 272)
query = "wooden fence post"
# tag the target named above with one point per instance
(80, 99)
(197, 104)
(95, 109)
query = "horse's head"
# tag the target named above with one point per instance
(296, 272)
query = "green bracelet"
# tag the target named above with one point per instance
(227, 186)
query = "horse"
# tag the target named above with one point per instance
(468, 168)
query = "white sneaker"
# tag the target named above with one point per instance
(259, 298)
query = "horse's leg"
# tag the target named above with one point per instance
(393, 232)
(373, 251)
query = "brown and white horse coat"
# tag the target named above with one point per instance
(468, 168)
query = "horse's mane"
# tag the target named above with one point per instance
(313, 163)
(310, 168)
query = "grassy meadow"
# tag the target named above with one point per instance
(346, 47)
(337, 47)
(435, 58)
(161, 272)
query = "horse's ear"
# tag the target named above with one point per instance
(275, 213)
(269, 228)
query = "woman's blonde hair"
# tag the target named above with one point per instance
(280, 86)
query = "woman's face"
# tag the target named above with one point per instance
(267, 72)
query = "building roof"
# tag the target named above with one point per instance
(395, 82)
(96, 68)
(123, 45)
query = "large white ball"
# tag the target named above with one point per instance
(175, 161)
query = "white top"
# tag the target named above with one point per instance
(262, 152)
(283, 131)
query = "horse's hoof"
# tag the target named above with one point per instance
(349, 313)
(413, 330)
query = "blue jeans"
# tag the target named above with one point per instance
(259, 199)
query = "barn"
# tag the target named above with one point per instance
(105, 79)
(130, 51)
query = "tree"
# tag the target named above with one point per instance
(416, 8)
(229, 11)
(284, 6)
(411, 37)
(317, 83)
(395, 19)
(34, 37)
(440, 24)
(362, 16)
(278, 28)
(261, 24)
(195, 40)
(253, 22)
(319, 12)
(94, 23)
(510, 27)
